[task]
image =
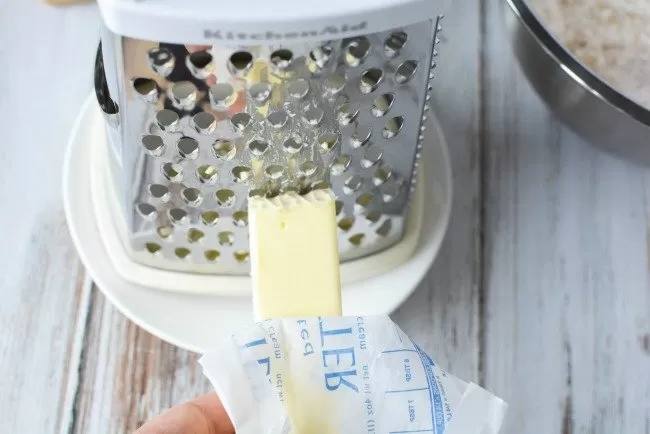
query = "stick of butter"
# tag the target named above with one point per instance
(294, 255)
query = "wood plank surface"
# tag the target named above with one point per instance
(541, 290)
(44, 298)
(567, 294)
(442, 316)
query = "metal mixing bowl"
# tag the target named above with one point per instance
(580, 99)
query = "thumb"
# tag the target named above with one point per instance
(204, 415)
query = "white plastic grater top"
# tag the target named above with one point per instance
(259, 22)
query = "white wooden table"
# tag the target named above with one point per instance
(541, 291)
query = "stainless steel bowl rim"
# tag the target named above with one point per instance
(575, 69)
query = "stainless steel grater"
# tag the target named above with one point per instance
(225, 109)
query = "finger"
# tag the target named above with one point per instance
(204, 415)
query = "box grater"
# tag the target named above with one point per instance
(206, 106)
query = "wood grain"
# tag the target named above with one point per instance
(442, 315)
(541, 290)
(128, 375)
(567, 293)
(44, 76)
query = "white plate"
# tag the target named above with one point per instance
(196, 322)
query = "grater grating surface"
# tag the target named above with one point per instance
(195, 132)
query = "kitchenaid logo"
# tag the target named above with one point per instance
(269, 35)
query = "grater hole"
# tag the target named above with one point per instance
(159, 192)
(207, 174)
(222, 96)
(373, 217)
(382, 104)
(260, 93)
(209, 218)
(194, 235)
(360, 136)
(183, 94)
(240, 63)
(146, 88)
(291, 189)
(147, 211)
(173, 172)
(204, 123)
(363, 202)
(165, 232)
(320, 185)
(370, 80)
(319, 58)
(352, 184)
(277, 119)
(274, 171)
(225, 197)
(406, 71)
(258, 192)
(394, 43)
(178, 216)
(338, 206)
(241, 256)
(346, 223)
(211, 255)
(340, 164)
(200, 59)
(241, 174)
(224, 149)
(393, 127)
(298, 89)
(327, 142)
(371, 157)
(161, 61)
(273, 191)
(258, 147)
(304, 186)
(308, 168)
(357, 51)
(281, 58)
(313, 116)
(334, 84)
(382, 175)
(356, 240)
(167, 120)
(182, 252)
(188, 148)
(240, 218)
(240, 122)
(348, 113)
(152, 248)
(390, 192)
(292, 145)
(226, 238)
(192, 197)
(385, 228)
(153, 145)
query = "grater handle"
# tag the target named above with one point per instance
(102, 93)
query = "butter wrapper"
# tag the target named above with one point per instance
(342, 375)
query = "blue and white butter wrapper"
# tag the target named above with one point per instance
(343, 375)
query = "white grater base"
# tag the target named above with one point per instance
(194, 321)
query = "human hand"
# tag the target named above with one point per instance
(204, 415)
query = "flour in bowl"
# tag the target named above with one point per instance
(611, 37)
